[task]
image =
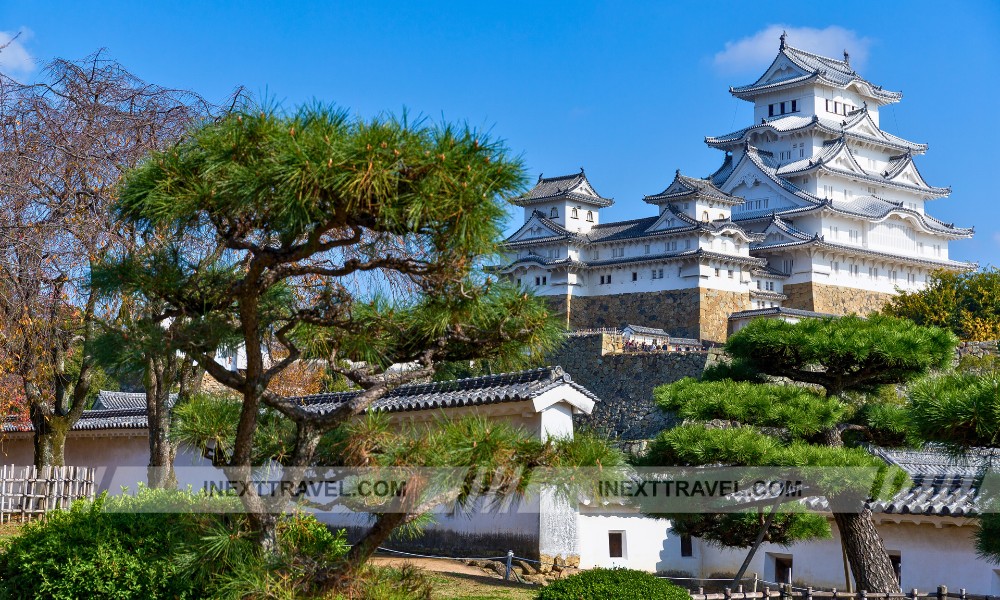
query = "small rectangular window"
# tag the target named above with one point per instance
(687, 547)
(661, 273)
(545, 280)
(647, 248)
(616, 544)
(795, 106)
(770, 110)
(519, 282)
(635, 276)
(538, 281)
(782, 108)
(828, 106)
(730, 273)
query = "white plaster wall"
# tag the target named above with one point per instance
(930, 556)
(557, 422)
(648, 544)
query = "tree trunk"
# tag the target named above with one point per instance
(49, 437)
(191, 376)
(361, 551)
(866, 552)
(160, 374)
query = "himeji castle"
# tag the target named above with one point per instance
(815, 209)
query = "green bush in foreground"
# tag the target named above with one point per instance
(612, 584)
(87, 552)
(164, 544)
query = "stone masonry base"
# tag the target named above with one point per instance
(833, 299)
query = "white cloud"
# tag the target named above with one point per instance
(15, 58)
(753, 54)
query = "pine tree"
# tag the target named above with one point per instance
(316, 234)
(818, 424)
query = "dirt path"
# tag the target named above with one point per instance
(440, 565)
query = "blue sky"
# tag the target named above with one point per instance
(627, 90)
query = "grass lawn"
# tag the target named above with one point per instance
(454, 586)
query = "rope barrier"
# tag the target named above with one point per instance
(442, 557)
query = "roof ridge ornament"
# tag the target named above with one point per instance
(847, 58)
(540, 177)
(784, 34)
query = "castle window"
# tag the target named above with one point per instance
(730, 273)
(574, 214)
(716, 271)
(646, 249)
(687, 548)
(545, 280)
(635, 276)
(602, 279)
(782, 108)
(609, 278)
(597, 254)
(704, 216)
(538, 281)
(828, 106)
(617, 252)
(661, 273)
(795, 106)
(770, 110)
(590, 216)
(687, 244)
(554, 213)
(616, 544)
(652, 274)
(518, 282)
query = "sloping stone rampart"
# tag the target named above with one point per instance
(714, 308)
(833, 299)
(625, 382)
(698, 313)
(675, 311)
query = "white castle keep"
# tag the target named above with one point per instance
(815, 209)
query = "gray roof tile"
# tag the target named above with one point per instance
(491, 389)
(574, 187)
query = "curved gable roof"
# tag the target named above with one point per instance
(574, 187)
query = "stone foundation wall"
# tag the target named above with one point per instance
(624, 383)
(695, 313)
(675, 311)
(714, 308)
(834, 299)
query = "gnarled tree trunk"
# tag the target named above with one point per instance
(866, 552)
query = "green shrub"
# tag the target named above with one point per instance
(88, 552)
(164, 544)
(612, 584)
